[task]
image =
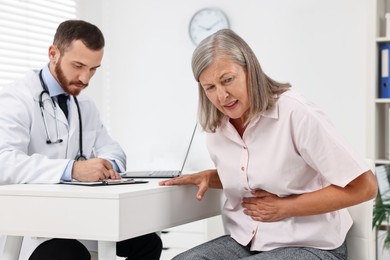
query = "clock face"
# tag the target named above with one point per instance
(206, 22)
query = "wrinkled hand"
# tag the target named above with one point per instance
(264, 206)
(200, 179)
(95, 169)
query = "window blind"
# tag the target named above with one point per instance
(27, 28)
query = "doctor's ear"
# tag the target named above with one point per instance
(54, 53)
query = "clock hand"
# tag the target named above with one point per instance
(204, 28)
(214, 24)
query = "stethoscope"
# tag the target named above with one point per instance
(80, 156)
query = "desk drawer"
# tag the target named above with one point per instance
(185, 240)
(168, 254)
(197, 226)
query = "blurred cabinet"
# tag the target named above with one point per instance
(181, 238)
(378, 112)
(378, 115)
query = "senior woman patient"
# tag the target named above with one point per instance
(285, 171)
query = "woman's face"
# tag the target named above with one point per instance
(225, 85)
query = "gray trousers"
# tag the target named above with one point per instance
(226, 248)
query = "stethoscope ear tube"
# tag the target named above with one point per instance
(80, 156)
(41, 106)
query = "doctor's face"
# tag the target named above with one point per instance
(75, 66)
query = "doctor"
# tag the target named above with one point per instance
(45, 140)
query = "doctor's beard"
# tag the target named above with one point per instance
(65, 83)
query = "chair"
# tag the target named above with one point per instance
(361, 236)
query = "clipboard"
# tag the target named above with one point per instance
(103, 182)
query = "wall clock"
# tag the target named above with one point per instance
(205, 22)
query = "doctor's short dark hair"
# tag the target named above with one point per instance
(71, 30)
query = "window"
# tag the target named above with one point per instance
(27, 28)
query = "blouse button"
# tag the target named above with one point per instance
(253, 232)
(242, 168)
(244, 147)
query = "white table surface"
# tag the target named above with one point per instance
(104, 213)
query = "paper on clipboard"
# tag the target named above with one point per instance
(103, 182)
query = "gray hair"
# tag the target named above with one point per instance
(262, 90)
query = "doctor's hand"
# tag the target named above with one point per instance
(95, 169)
(264, 206)
(203, 180)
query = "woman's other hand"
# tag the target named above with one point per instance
(204, 180)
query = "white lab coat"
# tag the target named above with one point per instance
(24, 155)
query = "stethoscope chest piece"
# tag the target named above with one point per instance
(80, 157)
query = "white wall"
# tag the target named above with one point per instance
(146, 84)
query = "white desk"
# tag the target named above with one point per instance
(126, 210)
